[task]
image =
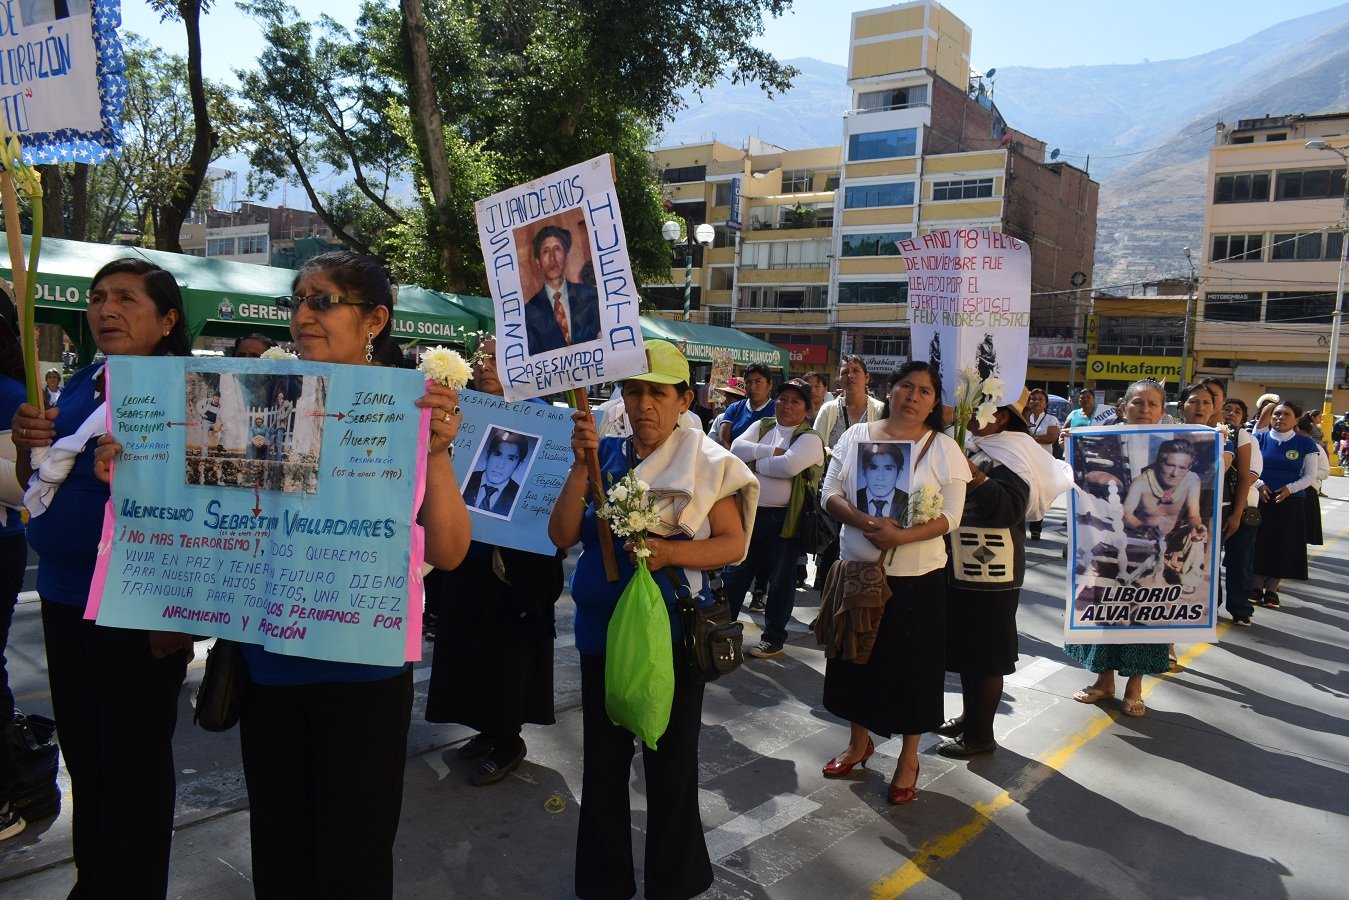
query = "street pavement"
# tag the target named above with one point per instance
(1235, 784)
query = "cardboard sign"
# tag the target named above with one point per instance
(566, 300)
(267, 501)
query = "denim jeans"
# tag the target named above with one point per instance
(1239, 562)
(776, 555)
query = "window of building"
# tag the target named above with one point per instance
(1309, 184)
(683, 174)
(194, 251)
(892, 98)
(865, 196)
(831, 182)
(1244, 187)
(824, 217)
(720, 278)
(1140, 335)
(796, 181)
(967, 189)
(1306, 245)
(253, 243)
(873, 292)
(1237, 248)
(220, 246)
(878, 244)
(1300, 307)
(785, 255)
(883, 345)
(810, 296)
(1235, 307)
(721, 194)
(883, 144)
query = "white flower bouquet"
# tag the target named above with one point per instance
(446, 368)
(631, 511)
(977, 398)
(924, 505)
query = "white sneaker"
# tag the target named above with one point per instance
(11, 823)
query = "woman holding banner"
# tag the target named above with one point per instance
(708, 528)
(1144, 404)
(325, 743)
(898, 690)
(114, 690)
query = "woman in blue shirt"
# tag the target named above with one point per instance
(706, 499)
(1290, 466)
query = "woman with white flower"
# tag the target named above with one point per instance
(899, 689)
(1011, 479)
(325, 743)
(705, 498)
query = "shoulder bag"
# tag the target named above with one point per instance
(217, 707)
(712, 639)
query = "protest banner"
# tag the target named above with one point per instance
(969, 306)
(271, 502)
(61, 82)
(511, 459)
(566, 300)
(1143, 534)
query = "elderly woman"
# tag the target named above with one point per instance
(104, 678)
(899, 689)
(493, 666)
(786, 456)
(1291, 466)
(1144, 404)
(706, 499)
(325, 743)
(1011, 479)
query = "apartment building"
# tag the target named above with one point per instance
(1272, 241)
(807, 260)
(264, 235)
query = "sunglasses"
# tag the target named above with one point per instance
(316, 302)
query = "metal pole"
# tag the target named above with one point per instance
(1332, 366)
(1077, 321)
(688, 275)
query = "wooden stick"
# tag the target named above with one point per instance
(582, 403)
(19, 275)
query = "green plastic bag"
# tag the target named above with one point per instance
(639, 667)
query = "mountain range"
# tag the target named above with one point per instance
(1142, 130)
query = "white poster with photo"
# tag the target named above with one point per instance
(1143, 541)
(561, 281)
(969, 305)
(880, 478)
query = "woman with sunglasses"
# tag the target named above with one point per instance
(325, 743)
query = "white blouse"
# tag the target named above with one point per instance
(942, 468)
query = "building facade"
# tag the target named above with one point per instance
(1272, 245)
(253, 233)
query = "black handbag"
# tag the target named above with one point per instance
(712, 639)
(36, 757)
(815, 530)
(217, 707)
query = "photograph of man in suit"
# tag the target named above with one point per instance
(880, 468)
(492, 488)
(563, 312)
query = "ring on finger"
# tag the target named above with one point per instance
(455, 410)
(445, 418)
(23, 432)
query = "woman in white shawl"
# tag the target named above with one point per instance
(706, 500)
(1012, 480)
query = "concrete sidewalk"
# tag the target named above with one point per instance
(1235, 784)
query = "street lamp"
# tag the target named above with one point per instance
(1328, 405)
(703, 234)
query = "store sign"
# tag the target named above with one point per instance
(883, 365)
(807, 354)
(1131, 368)
(734, 223)
(1049, 349)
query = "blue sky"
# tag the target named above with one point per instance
(1029, 33)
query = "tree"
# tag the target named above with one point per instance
(172, 212)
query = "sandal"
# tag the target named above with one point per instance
(1093, 694)
(1133, 707)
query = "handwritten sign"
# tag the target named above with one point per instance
(270, 502)
(1144, 534)
(566, 300)
(510, 460)
(61, 84)
(969, 305)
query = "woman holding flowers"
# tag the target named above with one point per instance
(705, 499)
(325, 743)
(899, 689)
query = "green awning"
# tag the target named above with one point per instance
(699, 342)
(222, 298)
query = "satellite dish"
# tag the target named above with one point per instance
(990, 73)
(1054, 154)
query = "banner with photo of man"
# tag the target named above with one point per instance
(561, 281)
(63, 87)
(1143, 537)
(969, 305)
(271, 502)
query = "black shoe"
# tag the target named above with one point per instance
(478, 745)
(11, 823)
(1242, 621)
(1271, 600)
(494, 767)
(1035, 535)
(952, 727)
(958, 749)
(758, 601)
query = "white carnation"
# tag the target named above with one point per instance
(445, 367)
(277, 353)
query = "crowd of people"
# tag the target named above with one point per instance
(923, 579)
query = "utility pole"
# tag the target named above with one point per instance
(1187, 338)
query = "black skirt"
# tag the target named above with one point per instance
(981, 631)
(900, 689)
(1312, 504)
(493, 663)
(1281, 541)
